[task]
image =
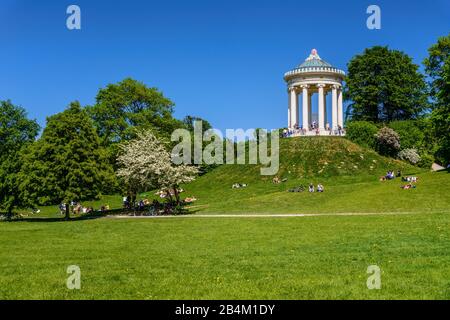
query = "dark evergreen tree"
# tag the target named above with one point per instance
(67, 162)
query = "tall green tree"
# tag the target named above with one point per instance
(128, 105)
(16, 132)
(437, 67)
(122, 109)
(384, 85)
(67, 162)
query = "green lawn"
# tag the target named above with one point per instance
(227, 258)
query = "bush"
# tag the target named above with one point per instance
(411, 134)
(362, 133)
(426, 161)
(410, 155)
(387, 142)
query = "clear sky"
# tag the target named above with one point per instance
(222, 60)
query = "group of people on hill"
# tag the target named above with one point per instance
(313, 127)
(77, 208)
(320, 188)
(130, 203)
(390, 175)
(311, 188)
(411, 180)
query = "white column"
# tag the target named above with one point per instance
(310, 109)
(325, 113)
(321, 111)
(340, 109)
(334, 112)
(289, 110)
(305, 106)
(294, 108)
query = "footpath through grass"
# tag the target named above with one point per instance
(209, 258)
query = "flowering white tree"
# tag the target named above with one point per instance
(145, 163)
(410, 155)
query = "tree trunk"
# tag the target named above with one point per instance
(67, 212)
(169, 195)
(177, 195)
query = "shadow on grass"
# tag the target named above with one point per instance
(95, 215)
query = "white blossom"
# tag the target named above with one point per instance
(145, 163)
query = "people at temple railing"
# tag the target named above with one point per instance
(312, 130)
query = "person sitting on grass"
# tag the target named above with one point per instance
(320, 188)
(390, 175)
(78, 209)
(311, 188)
(62, 208)
(141, 205)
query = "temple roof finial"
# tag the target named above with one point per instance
(313, 55)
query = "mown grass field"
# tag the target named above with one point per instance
(228, 258)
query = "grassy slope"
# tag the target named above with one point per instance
(198, 258)
(349, 173)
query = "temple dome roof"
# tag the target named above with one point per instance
(314, 65)
(314, 61)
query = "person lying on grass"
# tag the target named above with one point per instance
(297, 189)
(408, 186)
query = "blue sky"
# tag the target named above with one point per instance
(221, 60)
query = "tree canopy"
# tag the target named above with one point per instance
(16, 131)
(437, 67)
(385, 85)
(121, 108)
(67, 162)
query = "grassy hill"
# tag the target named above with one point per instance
(349, 173)
(320, 157)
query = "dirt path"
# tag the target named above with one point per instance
(261, 215)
